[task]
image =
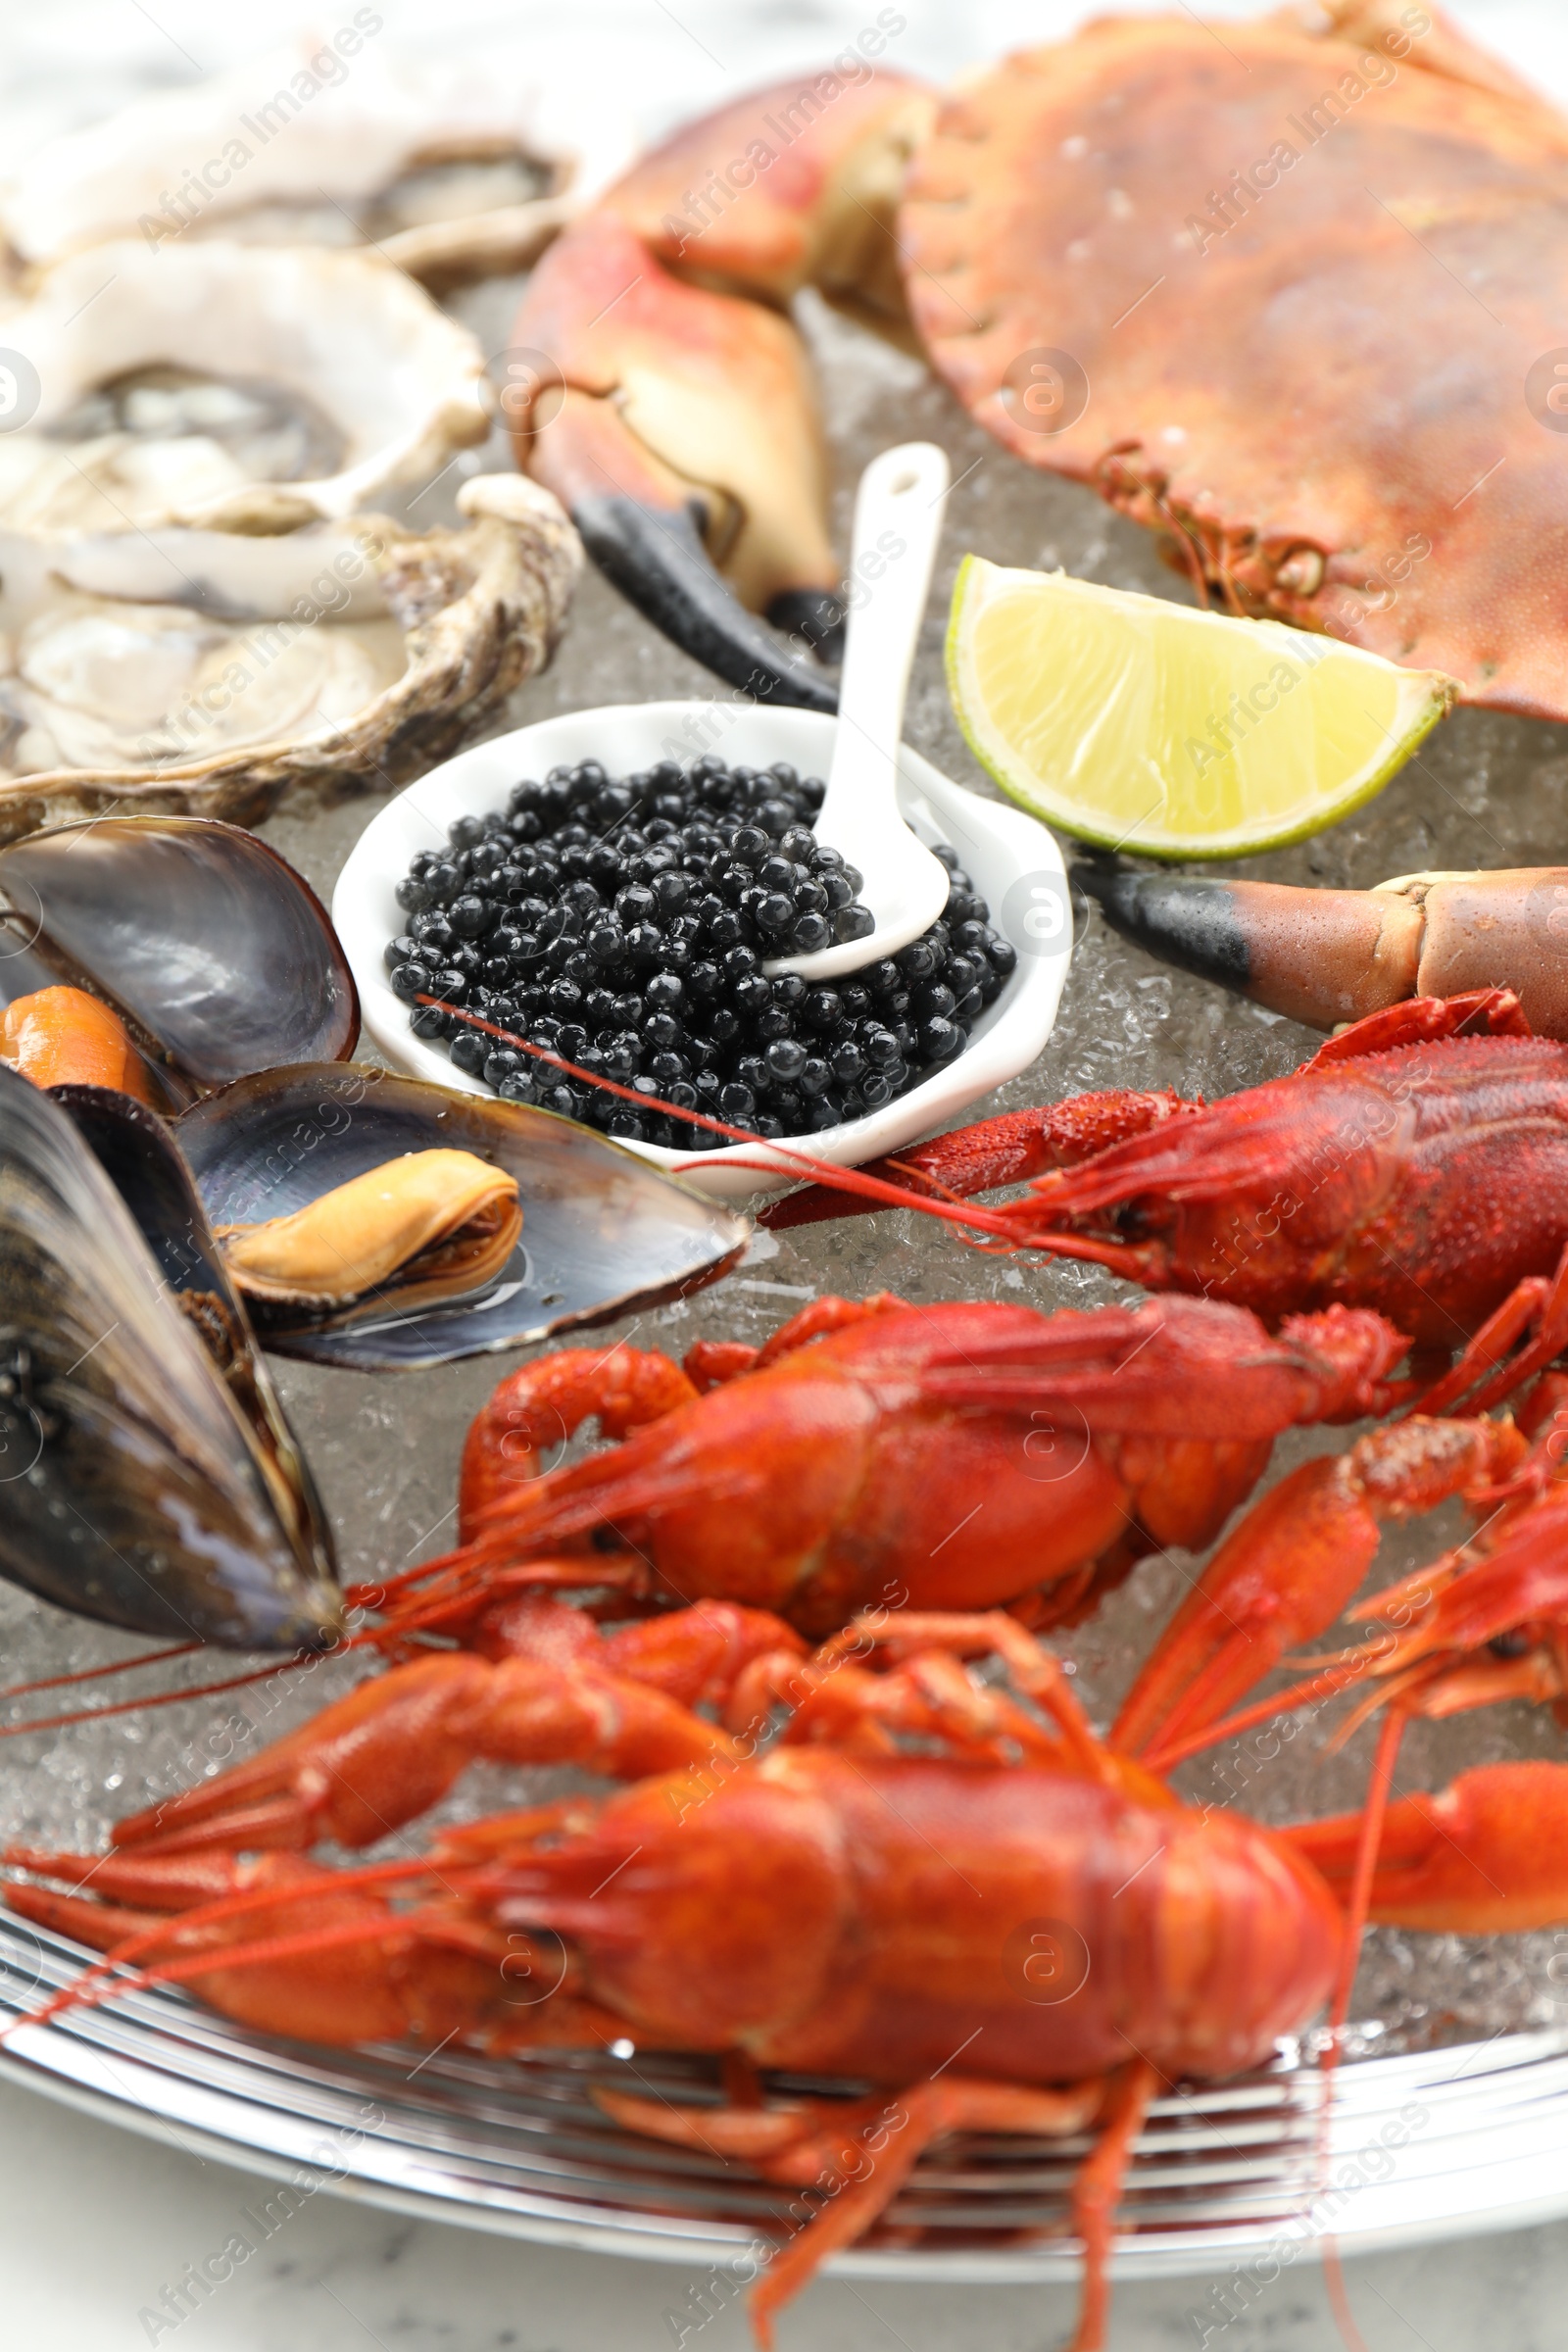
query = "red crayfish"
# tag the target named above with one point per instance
(913, 1886)
(1405, 1167)
(946, 1456)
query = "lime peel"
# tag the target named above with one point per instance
(1139, 724)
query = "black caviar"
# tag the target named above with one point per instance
(624, 924)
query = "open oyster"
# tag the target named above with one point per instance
(244, 388)
(150, 1479)
(216, 956)
(452, 172)
(602, 1232)
(209, 670)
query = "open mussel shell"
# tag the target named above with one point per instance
(139, 1483)
(142, 1161)
(220, 958)
(603, 1232)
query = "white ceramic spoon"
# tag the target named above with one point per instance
(898, 521)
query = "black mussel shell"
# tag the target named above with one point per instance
(221, 959)
(603, 1232)
(133, 1485)
(142, 1161)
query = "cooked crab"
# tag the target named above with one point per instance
(1293, 297)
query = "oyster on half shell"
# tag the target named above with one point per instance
(240, 388)
(205, 672)
(452, 170)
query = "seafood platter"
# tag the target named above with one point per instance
(812, 1541)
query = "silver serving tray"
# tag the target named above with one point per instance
(1417, 2147)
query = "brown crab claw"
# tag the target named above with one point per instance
(678, 428)
(658, 388)
(1323, 957)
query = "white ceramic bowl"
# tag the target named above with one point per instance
(997, 846)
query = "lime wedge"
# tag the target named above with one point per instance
(1146, 726)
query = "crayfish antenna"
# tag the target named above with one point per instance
(1374, 1814)
(992, 1153)
(93, 1674)
(872, 1189)
(165, 1698)
(125, 1968)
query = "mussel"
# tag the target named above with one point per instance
(434, 1224)
(217, 956)
(601, 1231)
(149, 1477)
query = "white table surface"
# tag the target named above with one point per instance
(96, 2223)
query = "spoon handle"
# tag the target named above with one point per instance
(898, 521)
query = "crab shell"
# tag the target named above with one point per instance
(1295, 301)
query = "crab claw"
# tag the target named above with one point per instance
(1483, 1858)
(1323, 957)
(660, 391)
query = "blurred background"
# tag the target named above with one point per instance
(66, 63)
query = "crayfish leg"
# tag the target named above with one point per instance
(1097, 2192)
(387, 1751)
(1291, 1567)
(1486, 1373)
(544, 1403)
(867, 2148)
(1421, 1021)
(1484, 1856)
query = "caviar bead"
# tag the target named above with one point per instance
(599, 916)
(470, 1051)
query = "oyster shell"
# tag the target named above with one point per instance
(427, 1225)
(219, 959)
(242, 388)
(209, 672)
(148, 1478)
(602, 1233)
(450, 171)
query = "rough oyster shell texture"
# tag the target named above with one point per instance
(453, 170)
(306, 382)
(206, 672)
